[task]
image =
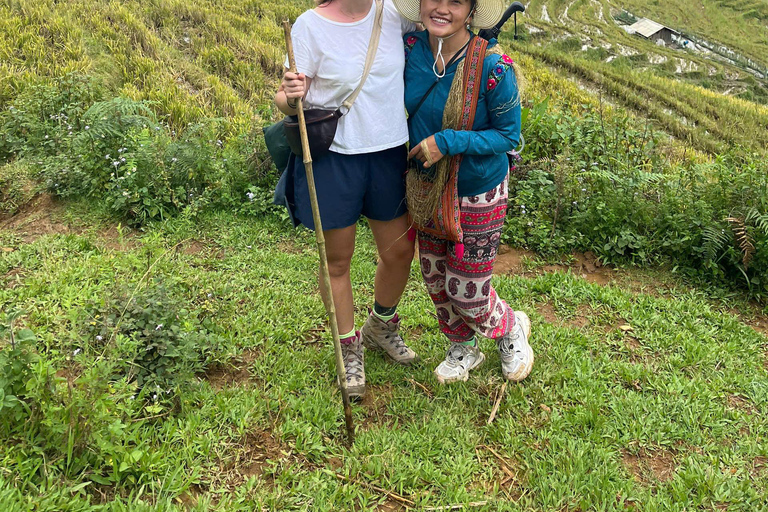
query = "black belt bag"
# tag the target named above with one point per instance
(321, 129)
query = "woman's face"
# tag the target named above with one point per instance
(442, 18)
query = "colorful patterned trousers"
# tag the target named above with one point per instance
(466, 302)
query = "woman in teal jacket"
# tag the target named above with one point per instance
(464, 117)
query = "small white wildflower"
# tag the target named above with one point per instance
(248, 246)
(77, 351)
(250, 195)
(122, 159)
(46, 136)
(583, 169)
(159, 326)
(210, 295)
(583, 190)
(174, 159)
(575, 203)
(108, 157)
(99, 337)
(154, 397)
(87, 127)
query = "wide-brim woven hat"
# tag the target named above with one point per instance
(487, 12)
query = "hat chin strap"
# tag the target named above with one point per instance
(439, 55)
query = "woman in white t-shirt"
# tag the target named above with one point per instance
(363, 174)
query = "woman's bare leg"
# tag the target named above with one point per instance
(395, 256)
(339, 246)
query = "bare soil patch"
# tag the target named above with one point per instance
(390, 505)
(375, 401)
(233, 373)
(260, 448)
(547, 310)
(760, 466)
(112, 238)
(740, 403)
(587, 265)
(12, 278)
(43, 215)
(580, 320)
(510, 261)
(649, 467)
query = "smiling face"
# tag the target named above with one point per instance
(443, 18)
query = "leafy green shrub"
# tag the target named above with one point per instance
(18, 365)
(17, 186)
(44, 117)
(118, 153)
(602, 184)
(165, 346)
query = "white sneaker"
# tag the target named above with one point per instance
(515, 352)
(459, 360)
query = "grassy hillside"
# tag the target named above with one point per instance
(694, 95)
(163, 344)
(645, 395)
(194, 58)
(197, 58)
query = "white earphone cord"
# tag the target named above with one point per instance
(440, 51)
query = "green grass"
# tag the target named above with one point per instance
(670, 415)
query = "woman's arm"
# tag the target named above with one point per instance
(292, 87)
(503, 102)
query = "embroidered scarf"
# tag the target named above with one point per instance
(459, 114)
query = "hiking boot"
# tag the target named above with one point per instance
(380, 335)
(458, 361)
(515, 352)
(353, 366)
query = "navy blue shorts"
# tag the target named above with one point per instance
(370, 184)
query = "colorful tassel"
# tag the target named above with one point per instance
(459, 251)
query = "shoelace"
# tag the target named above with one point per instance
(353, 363)
(454, 359)
(393, 338)
(509, 347)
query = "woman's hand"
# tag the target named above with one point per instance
(427, 152)
(294, 86)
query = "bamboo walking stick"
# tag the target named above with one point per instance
(324, 274)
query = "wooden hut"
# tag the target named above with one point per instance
(649, 29)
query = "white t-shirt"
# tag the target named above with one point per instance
(333, 55)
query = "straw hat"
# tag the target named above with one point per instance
(487, 12)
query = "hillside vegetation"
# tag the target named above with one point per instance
(162, 340)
